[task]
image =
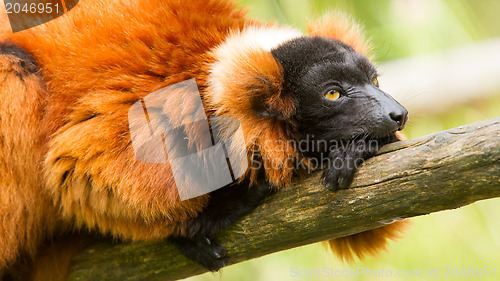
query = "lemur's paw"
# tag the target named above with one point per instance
(339, 173)
(204, 251)
(345, 160)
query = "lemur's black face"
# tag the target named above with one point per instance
(337, 91)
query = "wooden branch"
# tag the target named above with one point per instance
(442, 171)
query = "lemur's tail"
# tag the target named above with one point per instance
(366, 243)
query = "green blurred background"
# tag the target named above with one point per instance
(467, 237)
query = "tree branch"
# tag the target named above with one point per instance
(442, 171)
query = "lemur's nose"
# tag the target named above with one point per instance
(400, 116)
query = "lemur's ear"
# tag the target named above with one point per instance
(340, 26)
(246, 80)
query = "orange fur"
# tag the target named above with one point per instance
(56, 255)
(342, 27)
(365, 243)
(4, 20)
(93, 72)
(25, 209)
(52, 260)
(257, 69)
(66, 159)
(125, 59)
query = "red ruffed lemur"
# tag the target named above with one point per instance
(66, 156)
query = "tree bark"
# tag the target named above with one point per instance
(442, 171)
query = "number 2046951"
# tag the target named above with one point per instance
(471, 272)
(32, 8)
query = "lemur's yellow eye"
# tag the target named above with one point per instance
(332, 95)
(375, 81)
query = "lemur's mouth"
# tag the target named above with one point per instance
(374, 136)
(382, 136)
(386, 139)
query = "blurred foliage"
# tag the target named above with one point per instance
(463, 238)
(397, 28)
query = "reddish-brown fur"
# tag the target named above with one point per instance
(94, 72)
(66, 160)
(26, 211)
